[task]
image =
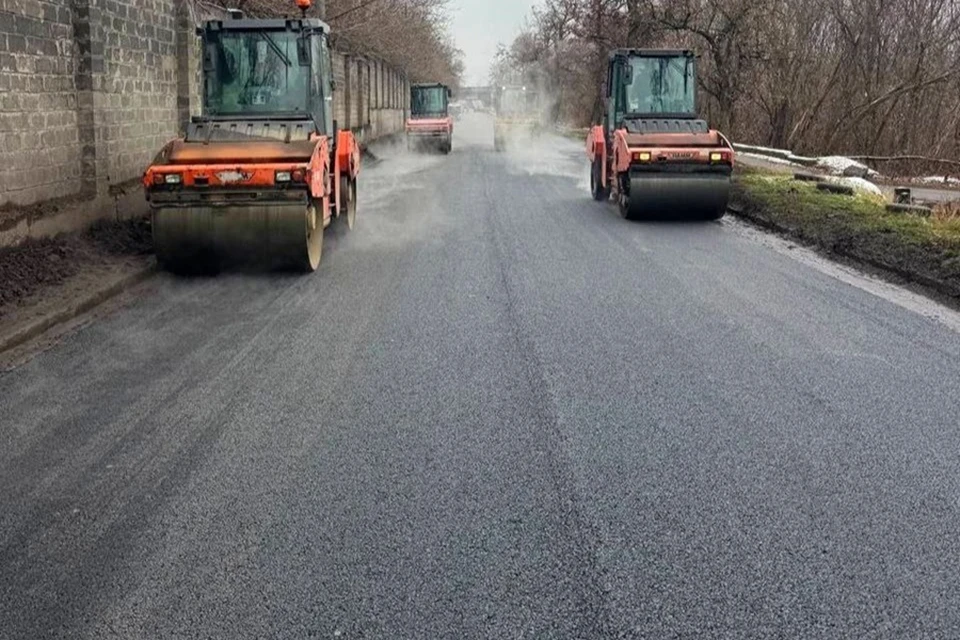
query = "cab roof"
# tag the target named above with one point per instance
(653, 53)
(266, 24)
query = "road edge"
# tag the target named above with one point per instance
(933, 288)
(95, 299)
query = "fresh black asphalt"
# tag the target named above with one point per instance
(497, 411)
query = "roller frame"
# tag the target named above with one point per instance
(678, 182)
(435, 133)
(217, 223)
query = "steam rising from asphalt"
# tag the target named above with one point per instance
(384, 218)
(549, 154)
(388, 185)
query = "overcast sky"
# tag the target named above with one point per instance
(479, 25)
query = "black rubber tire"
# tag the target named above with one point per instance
(623, 207)
(600, 192)
(348, 201)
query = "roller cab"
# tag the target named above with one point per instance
(652, 152)
(263, 170)
(430, 124)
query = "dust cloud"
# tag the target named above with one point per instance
(544, 151)
(547, 153)
(389, 180)
(394, 177)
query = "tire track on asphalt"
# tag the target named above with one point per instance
(583, 535)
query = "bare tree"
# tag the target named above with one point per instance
(409, 34)
(878, 78)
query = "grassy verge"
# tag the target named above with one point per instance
(923, 250)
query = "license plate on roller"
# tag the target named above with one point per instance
(227, 177)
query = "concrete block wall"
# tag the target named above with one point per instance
(90, 90)
(40, 153)
(135, 94)
(88, 93)
(372, 98)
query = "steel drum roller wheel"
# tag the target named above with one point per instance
(170, 231)
(288, 236)
(314, 231)
(665, 195)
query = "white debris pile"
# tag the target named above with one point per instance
(834, 165)
(860, 185)
(841, 166)
(940, 180)
(784, 156)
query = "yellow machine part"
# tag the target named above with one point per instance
(514, 131)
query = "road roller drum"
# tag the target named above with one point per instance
(281, 236)
(672, 195)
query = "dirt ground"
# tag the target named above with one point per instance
(34, 266)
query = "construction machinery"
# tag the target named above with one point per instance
(430, 123)
(652, 152)
(264, 170)
(517, 113)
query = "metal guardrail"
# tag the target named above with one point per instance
(781, 154)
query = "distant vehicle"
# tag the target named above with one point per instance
(652, 151)
(430, 124)
(518, 110)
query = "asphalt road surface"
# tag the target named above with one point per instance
(498, 411)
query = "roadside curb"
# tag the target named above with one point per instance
(940, 287)
(97, 298)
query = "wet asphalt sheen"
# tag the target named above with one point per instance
(497, 411)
